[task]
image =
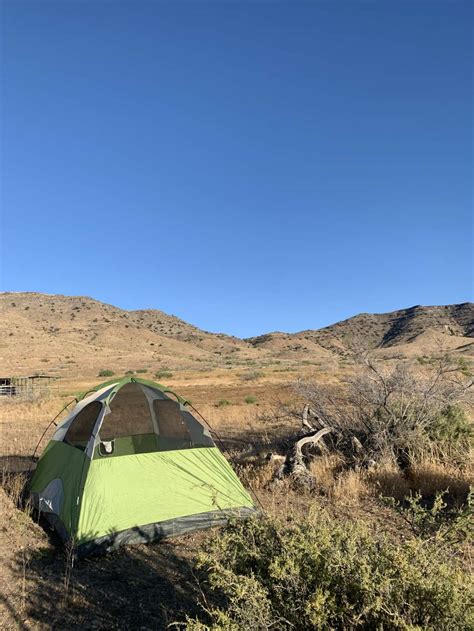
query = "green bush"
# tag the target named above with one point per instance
(450, 523)
(317, 573)
(163, 374)
(223, 403)
(452, 428)
(106, 373)
(250, 400)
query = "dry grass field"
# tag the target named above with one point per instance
(38, 588)
(152, 586)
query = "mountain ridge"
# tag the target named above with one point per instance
(79, 332)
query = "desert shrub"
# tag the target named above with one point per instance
(130, 372)
(250, 399)
(316, 573)
(141, 371)
(222, 403)
(105, 373)
(451, 427)
(163, 374)
(251, 375)
(397, 412)
(437, 519)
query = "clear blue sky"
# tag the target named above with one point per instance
(248, 166)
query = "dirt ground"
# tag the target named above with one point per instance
(140, 587)
(146, 586)
(151, 586)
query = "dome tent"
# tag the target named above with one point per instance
(130, 464)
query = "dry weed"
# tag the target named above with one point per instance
(388, 480)
(325, 470)
(429, 477)
(350, 487)
(14, 485)
(257, 476)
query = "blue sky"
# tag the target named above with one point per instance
(248, 166)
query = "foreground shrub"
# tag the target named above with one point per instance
(438, 520)
(451, 427)
(320, 574)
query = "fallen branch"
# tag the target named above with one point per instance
(294, 464)
(298, 455)
(304, 418)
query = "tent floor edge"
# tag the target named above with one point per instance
(53, 520)
(161, 530)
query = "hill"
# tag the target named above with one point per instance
(74, 335)
(69, 333)
(426, 328)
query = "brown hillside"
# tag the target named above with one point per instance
(66, 334)
(449, 327)
(76, 336)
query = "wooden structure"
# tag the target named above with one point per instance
(26, 386)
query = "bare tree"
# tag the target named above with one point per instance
(396, 411)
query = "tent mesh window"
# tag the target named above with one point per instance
(81, 427)
(170, 420)
(129, 416)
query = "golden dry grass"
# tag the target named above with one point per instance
(326, 469)
(350, 487)
(34, 568)
(388, 480)
(429, 477)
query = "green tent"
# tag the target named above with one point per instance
(131, 464)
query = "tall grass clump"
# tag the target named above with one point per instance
(318, 573)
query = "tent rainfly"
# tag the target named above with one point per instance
(129, 465)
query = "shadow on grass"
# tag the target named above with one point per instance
(139, 587)
(146, 586)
